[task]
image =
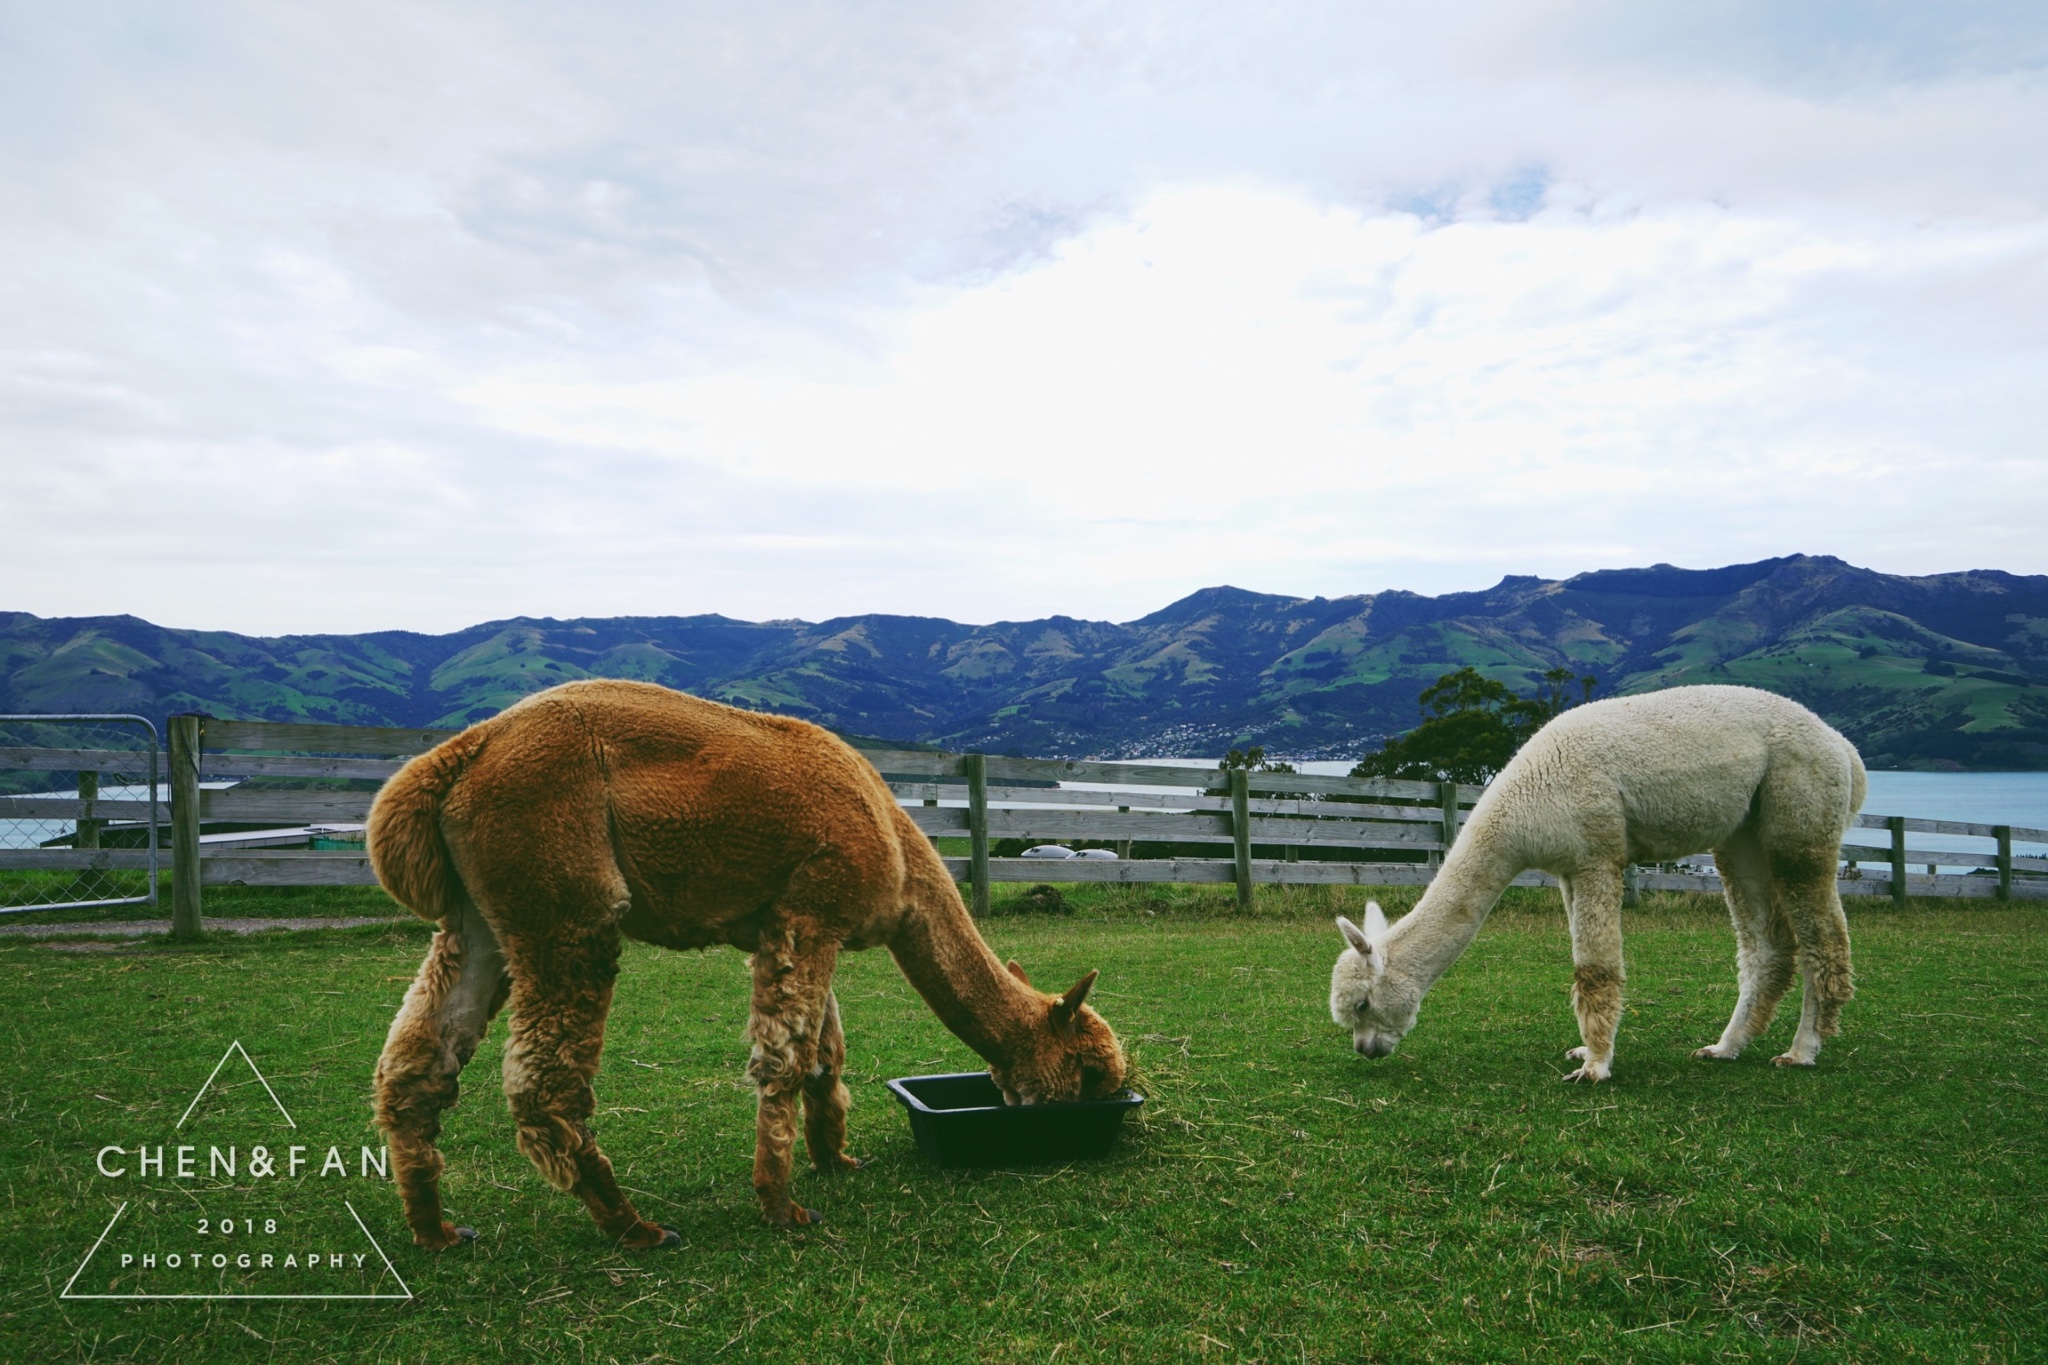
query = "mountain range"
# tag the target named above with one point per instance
(1942, 671)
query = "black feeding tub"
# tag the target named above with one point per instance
(960, 1120)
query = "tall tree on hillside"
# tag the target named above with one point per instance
(1471, 726)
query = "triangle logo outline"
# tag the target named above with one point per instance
(233, 1048)
(404, 1296)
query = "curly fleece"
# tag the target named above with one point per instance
(604, 810)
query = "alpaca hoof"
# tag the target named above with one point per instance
(1787, 1059)
(839, 1163)
(1577, 1054)
(797, 1217)
(1713, 1054)
(649, 1236)
(448, 1236)
(1589, 1074)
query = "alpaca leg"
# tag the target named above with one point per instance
(792, 991)
(1814, 911)
(1564, 892)
(1764, 950)
(1806, 1039)
(460, 986)
(1801, 813)
(1594, 907)
(561, 994)
(826, 1099)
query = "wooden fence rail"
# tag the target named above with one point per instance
(294, 779)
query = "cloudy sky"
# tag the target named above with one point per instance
(348, 317)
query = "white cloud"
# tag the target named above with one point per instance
(1229, 346)
(410, 316)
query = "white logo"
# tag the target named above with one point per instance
(215, 1219)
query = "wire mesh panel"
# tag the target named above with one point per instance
(79, 811)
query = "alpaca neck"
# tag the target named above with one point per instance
(948, 963)
(1425, 942)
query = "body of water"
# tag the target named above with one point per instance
(1976, 798)
(36, 833)
(1979, 798)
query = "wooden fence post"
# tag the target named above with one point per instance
(2003, 833)
(976, 768)
(1448, 793)
(1241, 833)
(88, 835)
(184, 737)
(1631, 887)
(1897, 825)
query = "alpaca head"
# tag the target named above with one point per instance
(1378, 1007)
(1072, 1054)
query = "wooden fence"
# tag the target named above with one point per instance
(292, 783)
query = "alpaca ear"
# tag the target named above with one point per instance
(1375, 921)
(1068, 1007)
(1017, 971)
(1356, 936)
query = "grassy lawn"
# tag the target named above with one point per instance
(1281, 1200)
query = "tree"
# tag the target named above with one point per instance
(1252, 760)
(1471, 726)
(1555, 697)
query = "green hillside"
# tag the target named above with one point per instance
(1948, 670)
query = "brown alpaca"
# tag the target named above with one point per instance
(598, 811)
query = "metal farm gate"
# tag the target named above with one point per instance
(79, 811)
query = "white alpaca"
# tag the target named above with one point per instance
(1760, 780)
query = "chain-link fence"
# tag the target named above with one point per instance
(80, 797)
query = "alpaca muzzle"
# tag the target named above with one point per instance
(1373, 1044)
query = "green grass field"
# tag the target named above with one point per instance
(1281, 1200)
